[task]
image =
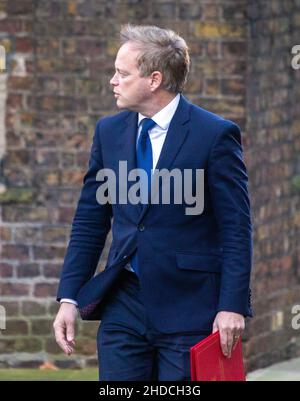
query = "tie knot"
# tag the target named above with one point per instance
(147, 124)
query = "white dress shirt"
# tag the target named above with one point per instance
(157, 136)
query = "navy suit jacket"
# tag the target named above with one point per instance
(190, 266)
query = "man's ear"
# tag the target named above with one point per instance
(155, 80)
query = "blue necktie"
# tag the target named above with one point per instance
(144, 161)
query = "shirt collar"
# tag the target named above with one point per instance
(165, 115)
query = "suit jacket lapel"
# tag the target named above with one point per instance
(128, 141)
(127, 152)
(175, 137)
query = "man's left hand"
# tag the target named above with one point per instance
(230, 325)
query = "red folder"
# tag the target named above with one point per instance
(209, 364)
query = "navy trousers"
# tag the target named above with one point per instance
(130, 349)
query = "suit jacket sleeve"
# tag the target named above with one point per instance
(90, 227)
(227, 178)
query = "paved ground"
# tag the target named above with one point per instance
(287, 371)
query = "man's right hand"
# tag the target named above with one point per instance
(64, 327)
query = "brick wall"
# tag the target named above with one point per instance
(273, 129)
(60, 58)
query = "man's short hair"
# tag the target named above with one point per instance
(160, 50)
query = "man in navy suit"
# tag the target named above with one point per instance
(173, 275)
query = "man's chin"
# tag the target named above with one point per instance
(120, 105)
(123, 105)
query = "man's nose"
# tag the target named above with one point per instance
(113, 81)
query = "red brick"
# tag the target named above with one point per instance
(14, 101)
(24, 7)
(5, 233)
(16, 327)
(48, 252)
(20, 252)
(11, 308)
(52, 270)
(24, 45)
(43, 290)
(14, 289)
(30, 308)
(11, 26)
(6, 270)
(27, 345)
(42, 327)
(28, 270)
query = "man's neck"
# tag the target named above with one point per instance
(157, 104)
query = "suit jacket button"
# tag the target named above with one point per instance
(141, 227)
(125, 256)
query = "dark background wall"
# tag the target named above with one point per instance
(60, 58)
(272, 130)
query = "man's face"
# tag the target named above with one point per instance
(131, 91)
